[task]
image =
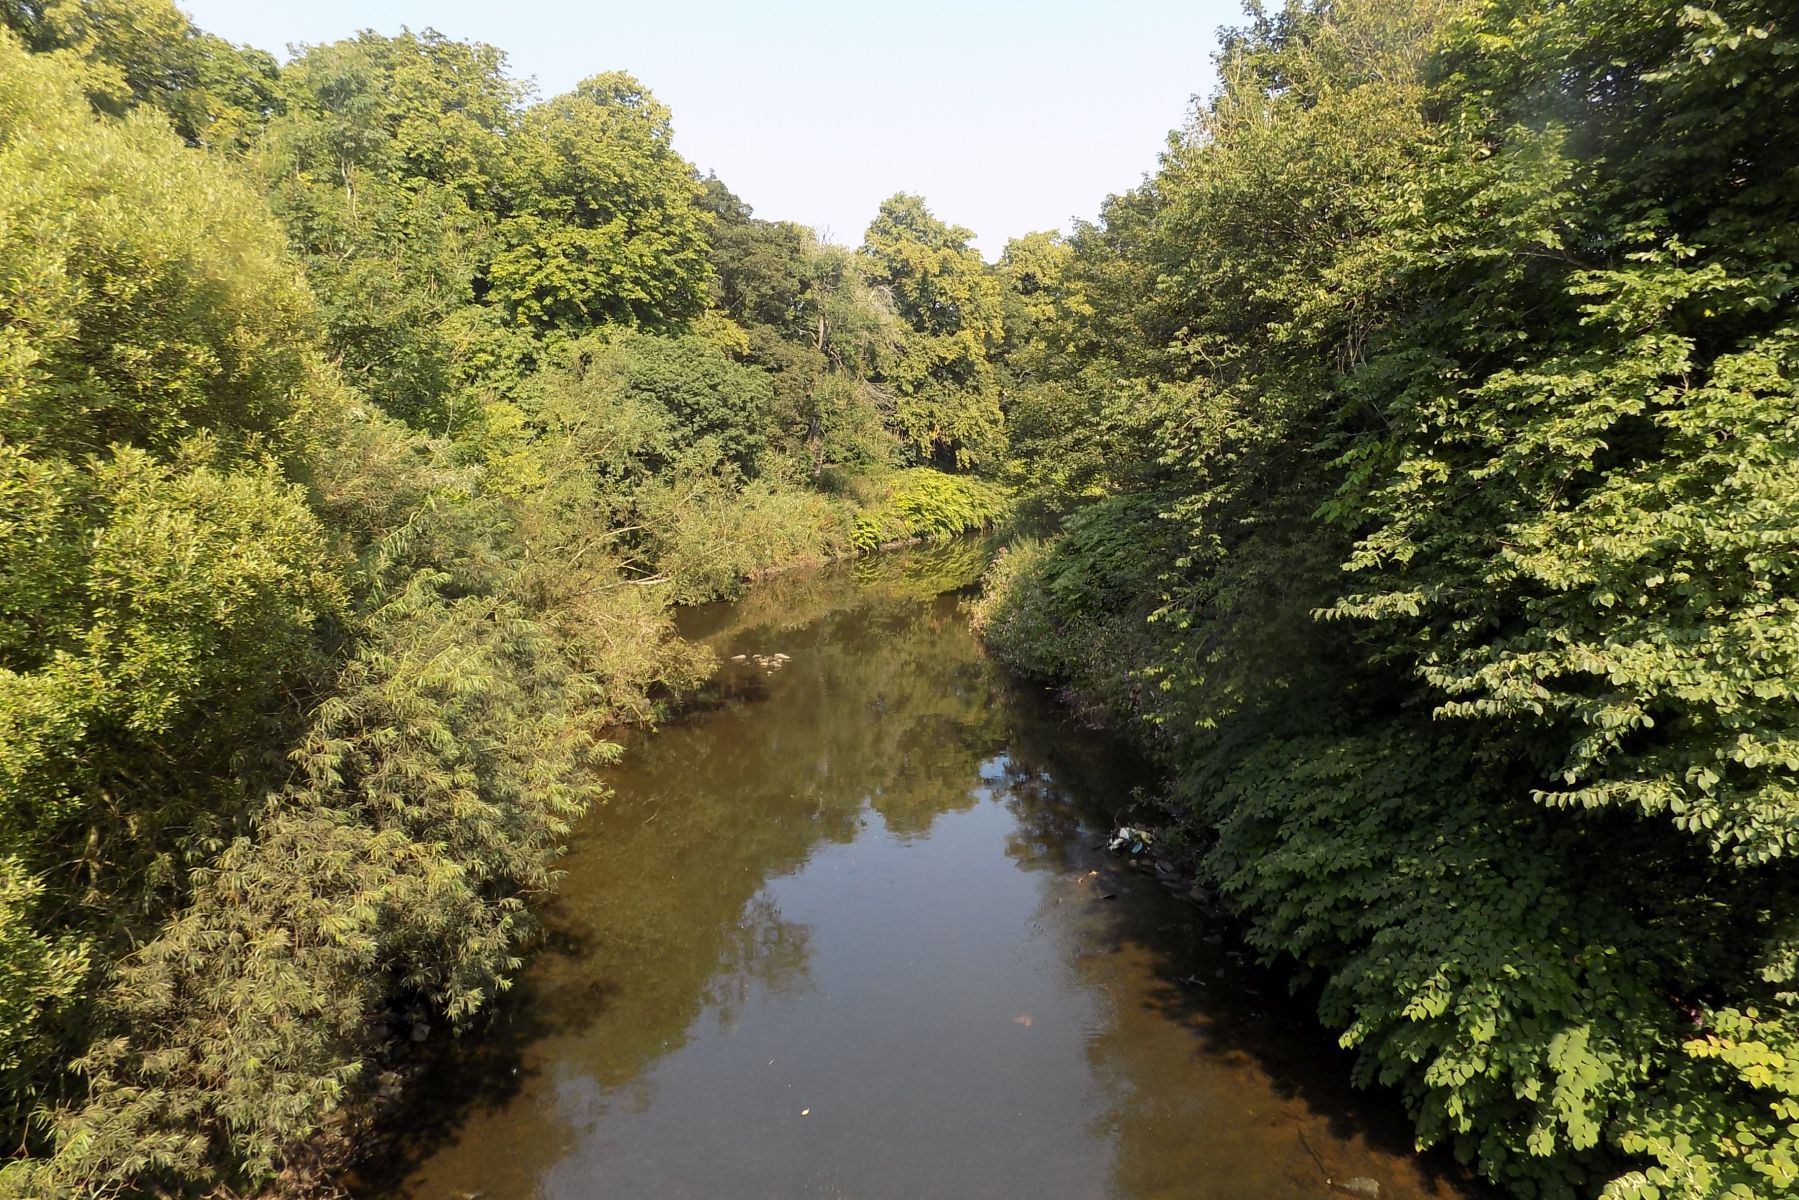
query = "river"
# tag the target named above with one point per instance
(849, 929)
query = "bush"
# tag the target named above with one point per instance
(1469, 617)
(708, 538)
(926, 505)
(296, 707)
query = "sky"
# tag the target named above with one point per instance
(1007, 117)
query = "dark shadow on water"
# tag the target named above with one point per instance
(484, 1067)
(1070, 785)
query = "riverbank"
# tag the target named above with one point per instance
(848, 927)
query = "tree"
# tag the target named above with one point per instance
(131, 53)
(388, 169)
(947, 401)
(605, 225)
(1452, 580)
(166, 588)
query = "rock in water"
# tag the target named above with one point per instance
(1361, 1185)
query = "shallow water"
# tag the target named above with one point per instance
(848, 931)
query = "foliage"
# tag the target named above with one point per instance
(606, 227)
(709, 538)
(41, 975)
(651, 438)
(1445, 373)
(946, 405)
(927, 505)
(708, 403)
(165, 581)
(821, 330)
(1639, 455)
(1419, 443)
(132, 53)
(448, 227)
(295, 706)
(387, 167)
(1076, 608)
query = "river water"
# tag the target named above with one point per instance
(849, 930)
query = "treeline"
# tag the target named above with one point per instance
(1425, 441)
(361, 418)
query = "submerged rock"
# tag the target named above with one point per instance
(769, 662)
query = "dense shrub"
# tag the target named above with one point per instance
(295, 708)
(1457, 453)
(925, 504)
(709, 538)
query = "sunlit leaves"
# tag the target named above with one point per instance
(946, 405)
(1479, 324)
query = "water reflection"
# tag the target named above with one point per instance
(845, 932)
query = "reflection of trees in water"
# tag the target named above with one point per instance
(1211, 1089)
(926, 571)
(764, 949)
(887, 702)
(887, 707)
(795, 599)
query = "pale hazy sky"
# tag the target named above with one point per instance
(1007, 116)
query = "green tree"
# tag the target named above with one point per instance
(820, 329)
(1058, 403)
(604, 226)
(946, 404)
(165, 585)
(710, 409)
(145, 52)
(1451, 577)
(294, 706)
(388, 169)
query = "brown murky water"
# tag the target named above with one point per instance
(840, 935)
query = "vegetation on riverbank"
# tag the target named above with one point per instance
(1432, 517)
(1418, 452)
(360, 421)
